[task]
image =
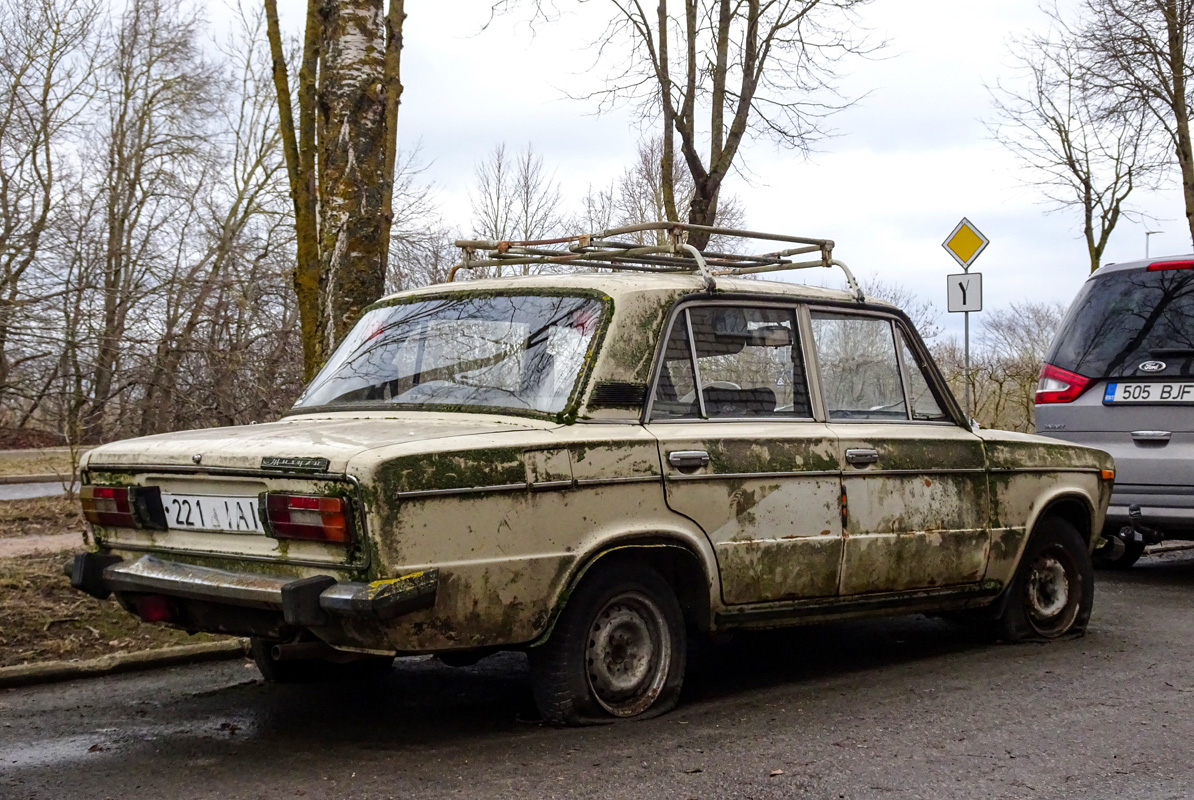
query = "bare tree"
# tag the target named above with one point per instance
(1139, 53)
(340, 159)
(515, 198)
(747, 68)
(1086, 153)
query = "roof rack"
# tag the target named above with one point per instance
(670, 252)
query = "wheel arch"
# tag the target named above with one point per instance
(1072, 506)
(678, 559)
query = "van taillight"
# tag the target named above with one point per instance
(309, 517)
(1161, 266)
(108, 506)
(1057, 385)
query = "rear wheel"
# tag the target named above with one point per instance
(616, 652)
(1053, 591)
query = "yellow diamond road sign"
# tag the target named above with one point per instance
(965, 243)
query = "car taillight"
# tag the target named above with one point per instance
(314, 518)
(109, 506)
(1161, 266)
(1057, 385)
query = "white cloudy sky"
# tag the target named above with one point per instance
(909, 161)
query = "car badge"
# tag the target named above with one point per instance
(1152, 366)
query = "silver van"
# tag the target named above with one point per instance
(1120, 377)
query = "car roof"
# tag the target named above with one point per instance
(1143, 263)
(624, 283)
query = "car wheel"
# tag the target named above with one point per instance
(1118, 555)
(1053, 591)
(616, 652)
(313, 670)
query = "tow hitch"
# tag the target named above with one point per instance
(1114, 543)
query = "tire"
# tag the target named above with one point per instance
(1131, 553)
(313, 670)
(1053, 591)
(617, 650)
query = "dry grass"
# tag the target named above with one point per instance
(54, 461)
(43, 619)
(41, 516)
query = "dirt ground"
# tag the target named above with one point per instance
(43, 619)
(41, 516)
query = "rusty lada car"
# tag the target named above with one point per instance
(594, 468)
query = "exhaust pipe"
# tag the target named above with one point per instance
(302, 651)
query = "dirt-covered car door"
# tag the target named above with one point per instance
(914, 480)
(742, 454)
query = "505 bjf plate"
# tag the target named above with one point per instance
(1150, 392)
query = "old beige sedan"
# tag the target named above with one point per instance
(594, 468)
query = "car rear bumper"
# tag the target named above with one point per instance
(1170, 507)
(303, 602)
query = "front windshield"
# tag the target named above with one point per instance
(511, 352)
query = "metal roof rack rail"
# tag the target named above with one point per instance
(670, 252)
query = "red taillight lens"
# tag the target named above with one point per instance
(154, 608)
(1161, 266)
(108, 506)
(314, 518)
(1057, 385)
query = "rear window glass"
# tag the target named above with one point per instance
(1122, 319)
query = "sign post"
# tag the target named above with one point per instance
(964, 292)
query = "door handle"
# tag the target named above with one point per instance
(688, 459)
(1151, 436)
(860, 456)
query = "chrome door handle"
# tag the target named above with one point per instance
(1151, 436)
(859, 456)
(688, 459)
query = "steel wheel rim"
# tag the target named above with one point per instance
(628, 654)
(1052, 592)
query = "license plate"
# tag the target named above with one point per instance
(1150, 392)
(197, 512)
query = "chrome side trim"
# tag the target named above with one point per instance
(565, 484)
(631, 479)
(862, 473)
(753, 475)
(504, 487)
(1005, 470)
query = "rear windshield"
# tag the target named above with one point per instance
(1123, 319)
(518, 352)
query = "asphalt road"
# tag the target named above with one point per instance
(909, 708)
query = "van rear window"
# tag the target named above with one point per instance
(1122, 319)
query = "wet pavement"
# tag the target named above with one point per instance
(905, 708)
(25, 491)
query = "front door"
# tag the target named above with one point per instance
(742, 455)
(914, 481)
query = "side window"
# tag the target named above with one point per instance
(859, 368)
(924, 403)
(675, 392)
(749, 364)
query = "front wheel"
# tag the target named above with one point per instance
(617, 650)
(1053, 591)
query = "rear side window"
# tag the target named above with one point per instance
(860, 370)
(1123, 319)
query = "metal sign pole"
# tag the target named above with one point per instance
(969, 411)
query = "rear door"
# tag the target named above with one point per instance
(914, 481)
(742, 455)
(1129, 337)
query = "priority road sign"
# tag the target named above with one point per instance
(965, 243)
(964, 292)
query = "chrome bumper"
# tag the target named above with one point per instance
(303, 602)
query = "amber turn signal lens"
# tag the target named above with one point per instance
(1108, 474)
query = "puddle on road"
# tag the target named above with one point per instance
(107, 742)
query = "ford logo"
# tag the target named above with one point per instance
(1152, 366)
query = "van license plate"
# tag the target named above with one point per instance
(197, 512)
(1150, 392)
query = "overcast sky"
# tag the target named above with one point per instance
(908, 162)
